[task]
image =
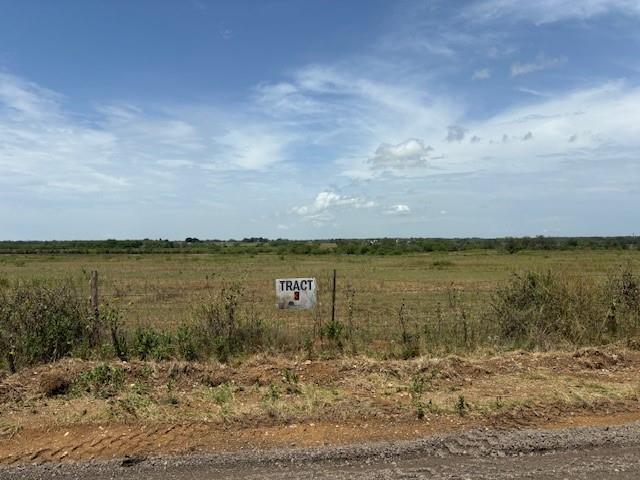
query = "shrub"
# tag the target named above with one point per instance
(224, 327)
(150, 343)
(186, 343)
(544, 310)
(42, 323)
(623, 300)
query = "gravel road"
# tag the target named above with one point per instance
(585, 453)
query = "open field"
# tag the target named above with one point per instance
(162, 289)
(302, 384)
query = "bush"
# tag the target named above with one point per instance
(42, 323)
(150, 343)
(540, 310)
(623, 300)
(544, 310)
(186, 343)
(225, 327)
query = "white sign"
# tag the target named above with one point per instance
(296, 293)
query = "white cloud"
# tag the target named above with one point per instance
(609, 114)
(399, 209)
(285, 98)
(481, 74)
(27, 99)
(342, 120)
(408, 154)
(325, 200)
(541, 62)
(533, 92)
(319, 212)
(124, 151)
(549, 11)
(253, 148)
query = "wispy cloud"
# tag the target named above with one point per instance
(541, 62)
(548, 11)
(481, 74)
(377, 133)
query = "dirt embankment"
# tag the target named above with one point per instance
(78, 410)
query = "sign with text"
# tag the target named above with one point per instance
(295, 293)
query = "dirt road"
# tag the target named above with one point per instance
(586, 453)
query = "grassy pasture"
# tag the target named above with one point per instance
(161, 290)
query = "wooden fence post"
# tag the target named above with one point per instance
(94, 293)
(333, 298)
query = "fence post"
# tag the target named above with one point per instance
(94, 293)
(333, 299)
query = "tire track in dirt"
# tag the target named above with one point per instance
(117, 441)
(104, 445)
(585, 452)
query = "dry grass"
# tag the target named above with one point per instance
(161, 289)
(386, 306)
(287, 390)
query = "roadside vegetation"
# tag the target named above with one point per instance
(44, 321)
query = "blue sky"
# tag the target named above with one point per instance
(319, 119)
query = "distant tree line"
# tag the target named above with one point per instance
(372, 246)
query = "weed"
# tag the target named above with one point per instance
(461, 406)
(351, 294)
(291, 381)
(111, 318)
(272, 394)
(8, 429)
(222, 394)
(417, 386)
(132, 405)
(186, 343)
(333, 331)
(150, 343)
(416, 389)
(103, 381)
(308, 347)
(410, 341)
(423, 408)
(442, 264)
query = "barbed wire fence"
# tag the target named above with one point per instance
(374, 314)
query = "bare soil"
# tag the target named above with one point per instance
(178, 408)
